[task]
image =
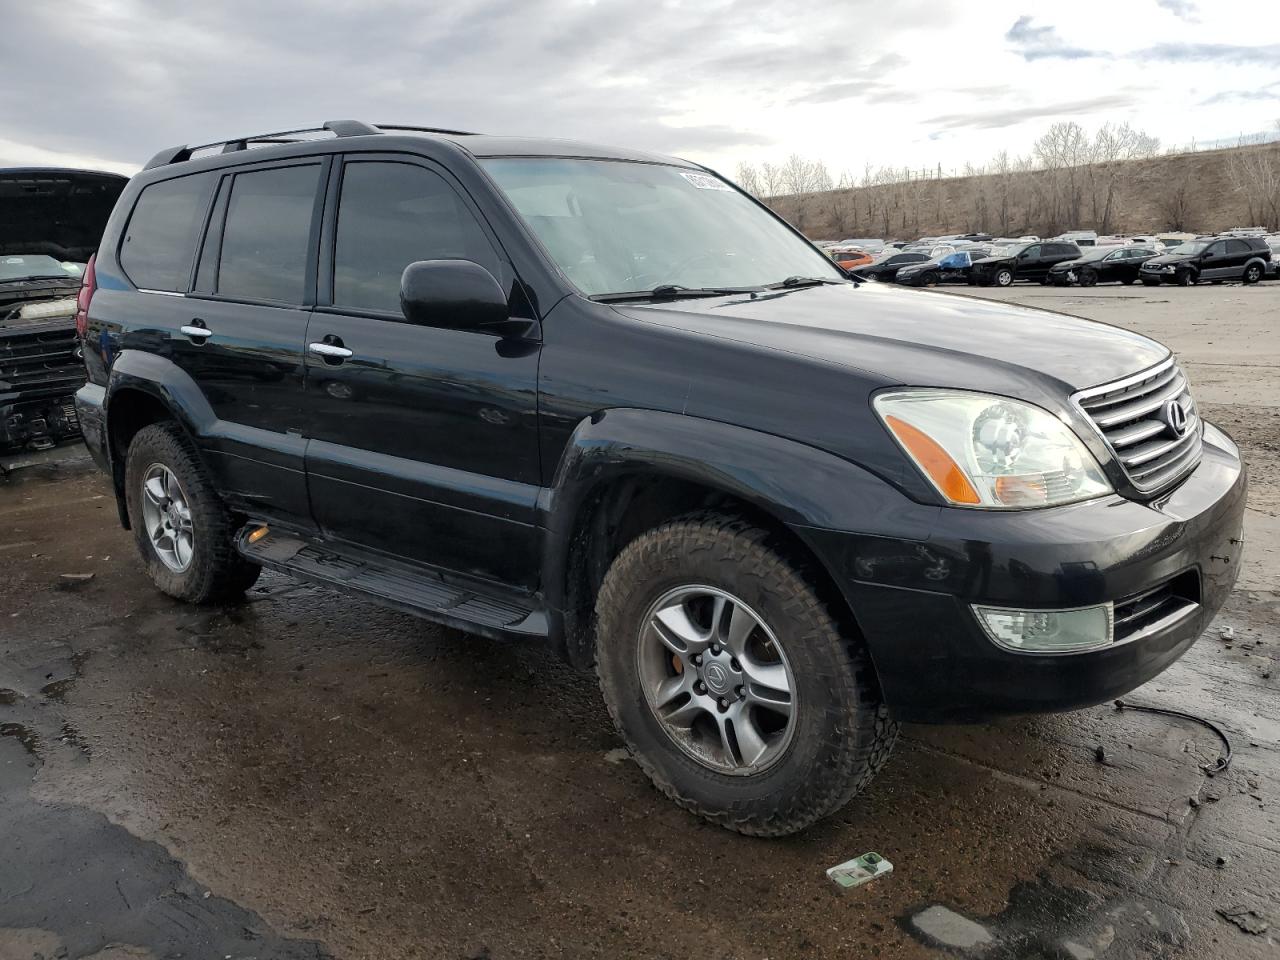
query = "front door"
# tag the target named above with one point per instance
(423, 441)
(1214, 262)
(1031, 264)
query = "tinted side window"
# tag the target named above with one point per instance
(1032, 251)
(1237, 246)
(389, 215)
(267, 234)
(160, 243)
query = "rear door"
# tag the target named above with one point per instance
(244, 330)
(1238, 254)
(220, 261)
(423, 440)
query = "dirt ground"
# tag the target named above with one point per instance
(306, 775)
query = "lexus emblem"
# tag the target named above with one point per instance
(1176, 417)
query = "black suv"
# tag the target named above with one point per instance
(887, 266)
(606, 400)
(1021, 261)
(1224, 258)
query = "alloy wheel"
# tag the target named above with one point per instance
(717, 680)
(167, 516)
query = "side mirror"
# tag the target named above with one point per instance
(457, 294)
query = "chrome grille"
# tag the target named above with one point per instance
(1135, 417)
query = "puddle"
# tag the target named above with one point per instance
(1044, 919)
(24, 735)
(8, 696)
(56, 687)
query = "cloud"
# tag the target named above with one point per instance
(1183, 9)
(1224, 53)
(1258, 94)
(996, 119)
(1041, 43)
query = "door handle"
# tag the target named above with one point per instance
(329, 350)
(200, 333)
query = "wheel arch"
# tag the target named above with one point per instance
(628, 471)
(144, 389)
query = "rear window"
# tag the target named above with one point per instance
(160, 242)
(267, 234)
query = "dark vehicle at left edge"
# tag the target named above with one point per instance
(51, 222)
(954, 267)
(1101, 265)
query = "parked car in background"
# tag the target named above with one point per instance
(1027, 261)
(51, 221)
(1081, 238)
(1222, 258)
(865, 244)
(1273, 268)
(953, 267)
(1171, 240)
(886, 266)
(850, 257)
(1104, 264)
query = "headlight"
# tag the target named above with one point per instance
(991, 452)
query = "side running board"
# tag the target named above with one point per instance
(415, 590)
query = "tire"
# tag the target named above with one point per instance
(930, 279)
(1252, 273)
(839, 733)
(214, 571)
(1004, 277)
(1187, 278)
(1150, 283)
(1088, 278)
(1128, 281)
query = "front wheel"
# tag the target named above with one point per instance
(930, 279)
(1088, 278)
(1187, 278)
(1004, 277)
(732, 683)
(183, 531)
(1150, 283)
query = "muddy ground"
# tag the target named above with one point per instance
(307, 775)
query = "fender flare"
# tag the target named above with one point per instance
(164, 381)
(796, 484)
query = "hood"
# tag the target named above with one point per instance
(1171, 258)
(57, 212)
(902, 336)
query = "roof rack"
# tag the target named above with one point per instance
(339, 128)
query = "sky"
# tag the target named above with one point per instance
(106, 84)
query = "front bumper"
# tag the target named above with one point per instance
(912, 599)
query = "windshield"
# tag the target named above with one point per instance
(1008, 250)
(615, 226)
(1190, 247)
(1098, 253)
(24, 267)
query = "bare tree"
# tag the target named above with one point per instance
(770, 180)
(749, 178)
(1254, 173)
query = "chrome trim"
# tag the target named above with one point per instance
(1126, 457)
(1146, 374)
(198, 332)
(161, 293)
(329, 350)
(1171, 619)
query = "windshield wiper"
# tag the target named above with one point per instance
(792, 282)
(671, 291)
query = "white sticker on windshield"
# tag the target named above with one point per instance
(704, 182)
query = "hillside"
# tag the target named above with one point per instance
(1203, 192)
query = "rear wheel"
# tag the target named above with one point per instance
(183, 531)
(1004, 277)
(1252, 273)
(731, 682)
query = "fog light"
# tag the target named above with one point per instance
(1048, 631)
